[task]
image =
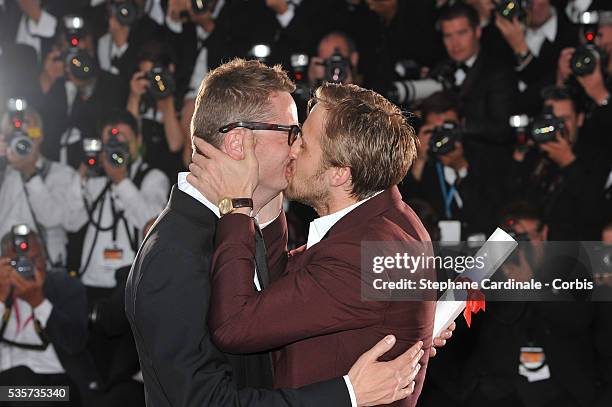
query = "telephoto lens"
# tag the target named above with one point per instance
(20, 143)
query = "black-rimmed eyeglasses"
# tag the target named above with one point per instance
(294, 131)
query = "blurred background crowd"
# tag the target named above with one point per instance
(510, 100)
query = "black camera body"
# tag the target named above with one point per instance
(92, 147)
(584, 59)
(443, 138)
(161, 83)
(541, 129)
(509, 9)
(337, 68)
(117, 151)
(22, 263)
(544, 128)
(126, 12)
(81, 65)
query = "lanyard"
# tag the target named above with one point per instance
(447, 194)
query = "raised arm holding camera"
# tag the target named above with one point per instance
(558, 172)
(152, 102)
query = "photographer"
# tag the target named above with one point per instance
(559, 171)
(336, 61)
(44, 330)
(33, 189)
(152, 102)
(521, 353)
(118, 203)
(74, 92)
(486, 88)
(536, 43)
(448, 172)
(128, 30)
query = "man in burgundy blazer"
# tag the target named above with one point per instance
(313, 312)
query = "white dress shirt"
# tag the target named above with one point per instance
(48, 202)
(450, 176)
(548, 31)
(460, 74)
(139, 206)
(30, 32)
(107, 50)
(325, 223)
(320, 226)
(20, 329)
(285, 18)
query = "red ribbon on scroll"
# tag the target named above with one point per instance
(474, 303)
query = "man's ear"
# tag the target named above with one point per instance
(339, 176)
(233, 143)
(580, 119)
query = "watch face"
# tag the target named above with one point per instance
(225, 206)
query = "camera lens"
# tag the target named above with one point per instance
(583, 61)
(82, 66)
(20, 143)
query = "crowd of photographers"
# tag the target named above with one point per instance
(513, 114)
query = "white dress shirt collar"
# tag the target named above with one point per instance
(320, 226)
(548, 31)
(190, 190)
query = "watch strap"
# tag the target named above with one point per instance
(242, 203)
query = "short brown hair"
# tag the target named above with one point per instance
(239, 90)
(369, 134)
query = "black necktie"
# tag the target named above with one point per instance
(261, 265)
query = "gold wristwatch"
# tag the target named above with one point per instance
(228, 205)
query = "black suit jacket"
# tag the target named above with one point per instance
(167, 301)
(66, 328)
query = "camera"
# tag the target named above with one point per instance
(92, 147)
(18, 140)
(544, 128)
(337, 68)
(126, 12)
(117, 151)
(509, 9)
(22, 263)
(443, 138)
(584, 60)
(81, 65)
(540, 129)
(410, 88)
(161, 82)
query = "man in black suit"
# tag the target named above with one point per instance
(486, 88)
(168, 290)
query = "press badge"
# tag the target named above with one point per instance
(532, 364)
(113, 255)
